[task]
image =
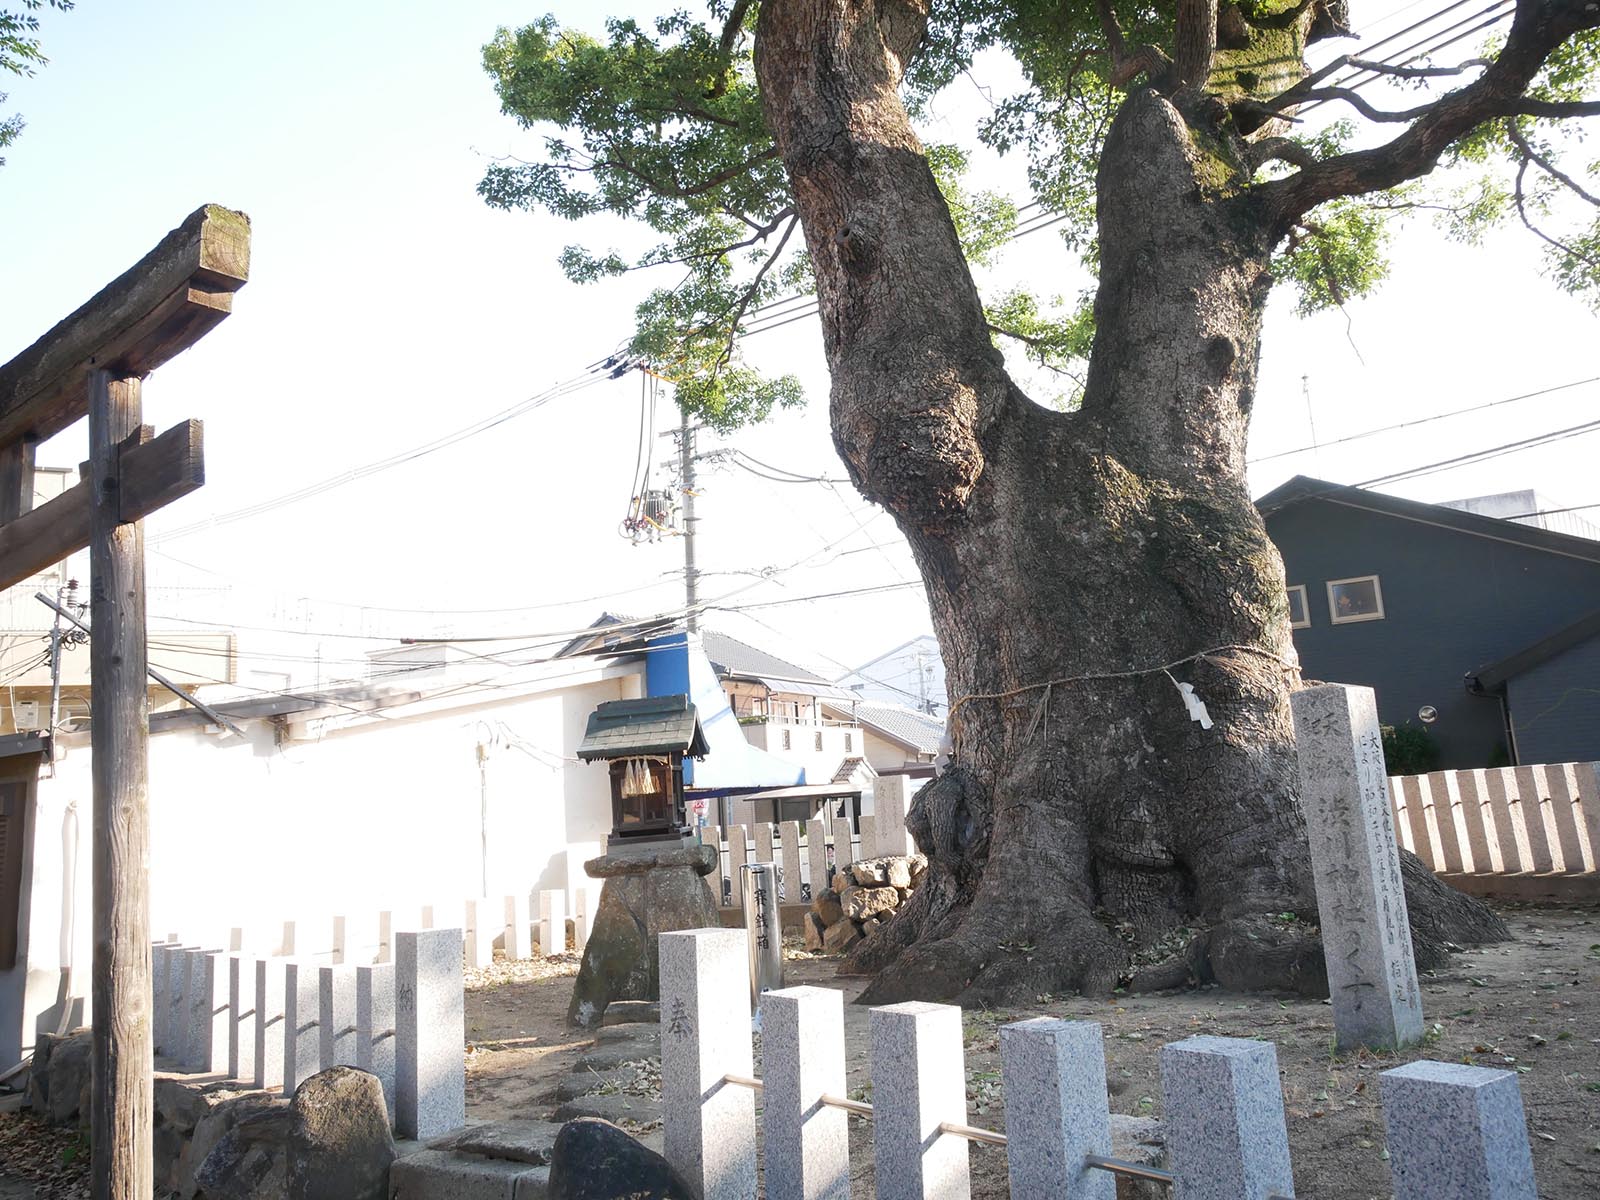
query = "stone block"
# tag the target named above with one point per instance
(840, 937)
(917, 1056)
(207, 1049)
(1055, 1085)
(271, 986)
(709, 1135)
(802, 1048)
(812, 929)
(1223, 1117)
(1355, 863)
(817, 856)
(430, 1033)
(301, 1024)
(175, 1044)
(485, 922)
(1456, 1131)
(241, 1017)
(375, 1026)
(528, 1142)
(518, 927)
(445, 1175)
(552, 923)
(859, 903)
(160, 1006)
(336, 1017)
(890, 800)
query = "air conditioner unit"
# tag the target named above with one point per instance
(27, 716)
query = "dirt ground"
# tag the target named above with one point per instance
(1531, 1005)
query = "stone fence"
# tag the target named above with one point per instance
(1501, 821)
(1452, 1130)
(809, 852)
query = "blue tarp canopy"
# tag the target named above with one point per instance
(731, 763)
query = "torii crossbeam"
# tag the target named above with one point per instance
(91, 365)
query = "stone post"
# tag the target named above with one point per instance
(271, 987)
(301, 1024)
(916, 1051)
(710, 1131)
(336, 1017)
(842, 857)
(802, 1055)
(375, 1030)
(481, 928)
(1456, 1132)
(789, 845)
(341, 941)
(1056, 1114)
(519, 927)
(817, 856)
(208, 1013)
(582, 918)
(241, 1017)
(176, 1042)
(430, 1079)
(552, 923)
(160, 985)
(1223, 1119)
(1355, 863)
(761, 836)
(889, 803)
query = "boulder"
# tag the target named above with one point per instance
(514, 1141)
(813, 928)
(250, 1161)
(646, 893)
(889, 870)
(841, 881)
(178, 1167)
(339, 1146)
(628, 1012)
(66, 1077)
(826, 906)
(841, 937)
(863, 902)
(594, 1160)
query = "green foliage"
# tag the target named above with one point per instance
(1408, 750)
(1058, 340)
(984, 221)
(1336, 256)
(21, 54)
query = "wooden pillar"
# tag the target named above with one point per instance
(122, 1094)
(16, 479)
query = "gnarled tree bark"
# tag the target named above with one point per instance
(1079, 565)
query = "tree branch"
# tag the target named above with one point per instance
(1539, 27)
(755, 285)
(1529, 154)
(1194, 40)
(680, 191)
(730, 38)
(1278, 149)
(1522, 211)
(760, 235)
(1400, 72)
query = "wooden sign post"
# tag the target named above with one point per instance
(91, 365)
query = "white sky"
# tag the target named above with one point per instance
(388, 306)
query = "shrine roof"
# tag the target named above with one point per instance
(653, 725)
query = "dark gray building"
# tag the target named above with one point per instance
(1493, 624)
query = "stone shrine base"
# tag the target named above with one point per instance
(651, 889)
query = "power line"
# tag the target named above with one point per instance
(1477, 456)
(1457, 412)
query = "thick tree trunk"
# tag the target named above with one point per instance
(1079, 566)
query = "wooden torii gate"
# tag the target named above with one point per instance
(91, 365)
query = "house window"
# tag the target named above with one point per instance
(1356, 599)
(786, 740)
(849, 743)
(1299, 611)
(819, 739)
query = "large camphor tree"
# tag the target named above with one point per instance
(1081, 558)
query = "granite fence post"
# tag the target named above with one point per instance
(916, 1050)
(802, 1055)
(241, 1017)
(336, 1017)
(817, 856)
(869, 835)
(1223, 1119)
(375, 1030)
(1456, 1132)
(738, 856)
(889, 803)
(341, 941)
(519, 927)
(761, 841)
(207, 1047)
(710, 1125)
(176, 1043)
(1055, 1085)
(386, 927)
(160, 985)
(430, 1083)
(271, 988)
(552, 923)
(301, 1024)
(481, 927)
(1355, 864)
(842, 856)
(581, 918)
(789, 865)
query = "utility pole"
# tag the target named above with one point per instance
(691, 577)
